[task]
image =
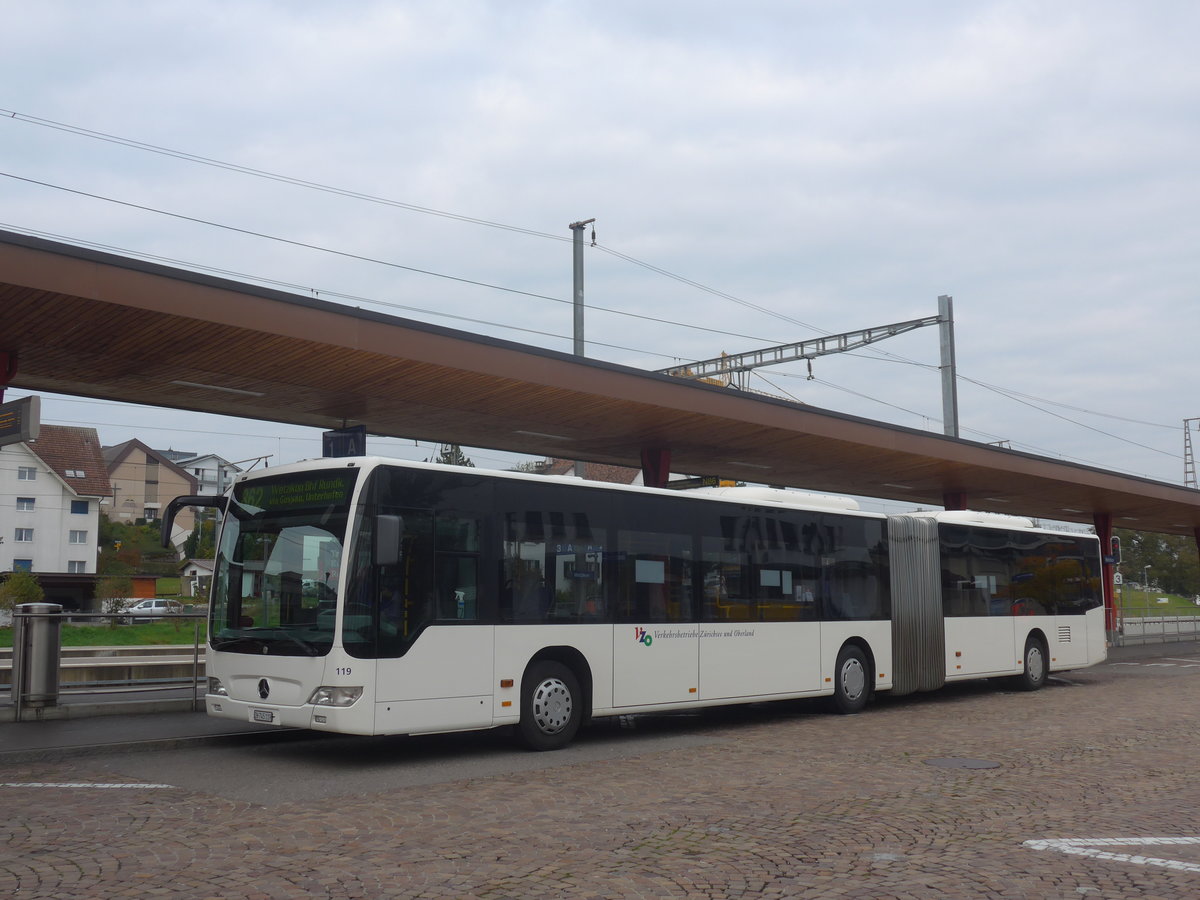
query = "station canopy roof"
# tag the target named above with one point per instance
(91, 324)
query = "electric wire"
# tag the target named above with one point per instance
(330, 293)
(357, 195)
(271, 176)
(372, 198)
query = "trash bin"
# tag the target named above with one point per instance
(37, 644)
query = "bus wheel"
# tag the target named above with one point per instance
(851, 681)
(551, 708)
(1033, 674)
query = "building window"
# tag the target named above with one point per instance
(25, 504)
(150, 513)
(22, 565)
(76, 473)
(78, 537)
(76, 567)
(79, 507)
(26, 473)
(24, 536)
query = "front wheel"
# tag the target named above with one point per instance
(551, 706)
(851, 681)
(1035, 669)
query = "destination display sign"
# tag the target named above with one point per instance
(298, 491)
(20, 420)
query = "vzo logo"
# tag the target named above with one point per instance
(642, 636)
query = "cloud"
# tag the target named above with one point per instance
(840, 165)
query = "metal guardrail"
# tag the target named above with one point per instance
(1148, 624)
(37, 651)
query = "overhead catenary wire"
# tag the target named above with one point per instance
(324, 292)
(363, 196)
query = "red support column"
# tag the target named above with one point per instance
(1103, 523)
(656, 466)
(954, 500)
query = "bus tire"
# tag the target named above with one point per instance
(851, 681)
(1035, 667)
(551, 706)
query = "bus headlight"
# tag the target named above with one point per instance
(215, 687)
(335, 696)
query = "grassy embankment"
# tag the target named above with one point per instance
(1135, 602)
(99, 635)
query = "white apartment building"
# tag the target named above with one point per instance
(213, 474)
(50, 493)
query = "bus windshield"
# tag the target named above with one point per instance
(278, 563)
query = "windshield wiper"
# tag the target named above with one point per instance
(235, 642)
(307, 647)
(263, 643)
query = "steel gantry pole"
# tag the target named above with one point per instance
(577, 301)
(1189, 460)
(577, 292)
(949, 373)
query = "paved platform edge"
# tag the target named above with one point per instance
(53, 749)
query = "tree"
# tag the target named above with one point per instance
(20, 587)
(111, 593)
(200, 543)
(452, 455)
(1172, 560)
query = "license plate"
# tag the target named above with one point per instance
(265, 716)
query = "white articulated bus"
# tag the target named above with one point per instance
(372, 596)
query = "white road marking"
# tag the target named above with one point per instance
(1093, 847)
(77, 784)
(1176, 659)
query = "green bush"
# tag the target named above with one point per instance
(20, 587)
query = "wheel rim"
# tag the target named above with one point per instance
(854, 679)
(1035, 664)
(552, 706)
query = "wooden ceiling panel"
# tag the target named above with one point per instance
(102, 326)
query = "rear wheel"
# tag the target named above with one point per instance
(1035, 668)
(551, 706)
(851, 681)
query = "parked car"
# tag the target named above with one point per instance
(151, 609)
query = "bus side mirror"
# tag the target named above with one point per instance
(389, 532)
(220, 502)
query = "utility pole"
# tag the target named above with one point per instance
(949, 373)
(577, 246)
(1189, 461)
(577, 294)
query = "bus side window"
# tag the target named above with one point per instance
(654, 577)
(457, 567)
(458, 586)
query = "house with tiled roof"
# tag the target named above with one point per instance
(144, 481)
(50, 495)
(594, 471)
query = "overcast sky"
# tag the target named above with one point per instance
(800, 167)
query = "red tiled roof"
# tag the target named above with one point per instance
(593, 471)
(68, 451)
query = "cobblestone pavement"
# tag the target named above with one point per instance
(774, 801)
